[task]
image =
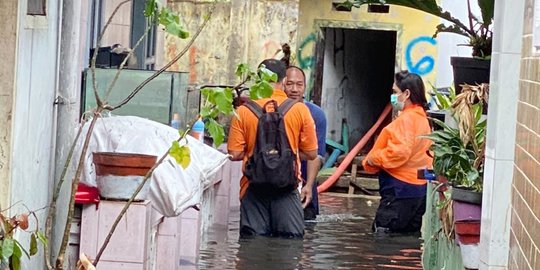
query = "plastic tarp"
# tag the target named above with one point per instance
(172, 189)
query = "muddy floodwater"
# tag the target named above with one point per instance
(340, 238)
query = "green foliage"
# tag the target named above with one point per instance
(219, 101)
(477, 31)
(11, 250)
(443, 101)
(216, 131)
(166, 17)
(181, 154)
(455, 160)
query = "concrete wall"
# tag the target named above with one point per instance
(525, 212)
(8, 43)
(416, 49)
(357, 81)
(34, 124)
(239, 32)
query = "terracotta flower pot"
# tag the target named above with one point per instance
(119, 174)
(122, 164)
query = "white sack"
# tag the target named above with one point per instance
(172, 189)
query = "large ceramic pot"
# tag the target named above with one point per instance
(469, 70)
(119, 174)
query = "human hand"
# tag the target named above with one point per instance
(306, 195)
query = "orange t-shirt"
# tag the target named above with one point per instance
(299, 125)
(400, 150)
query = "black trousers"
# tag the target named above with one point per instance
(271, 214)
(399, 214)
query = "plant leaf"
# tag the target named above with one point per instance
(33, 245)
(223, 99)
(487, 8)
(267, 75)
(42, 238)
(242, 70)
(16, 263)
(181, 154)
(7, 248)
(216, 131)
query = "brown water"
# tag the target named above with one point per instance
(341, 238)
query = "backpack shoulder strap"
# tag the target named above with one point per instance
(254, 107)
(286, 105)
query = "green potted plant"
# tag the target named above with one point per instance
(458, 152)
(477, 30)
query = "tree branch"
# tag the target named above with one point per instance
(121, 67)
(176, 58)
(52, 206)
(74, 185)
(128, 203)
(99, 102)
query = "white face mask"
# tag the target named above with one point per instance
(398, 105)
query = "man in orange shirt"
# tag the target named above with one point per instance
(263, 212)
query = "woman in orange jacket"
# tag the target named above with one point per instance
(397, 155)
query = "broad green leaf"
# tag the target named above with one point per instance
(42, 238)
(172, 23)
(18, 249)
(242, 70)
(16, 263)
(487, 8)
(33, 245)
(7, 247)
(216, 131)
(181, 154)
(267, 75)
(206, 111)
(223, 100)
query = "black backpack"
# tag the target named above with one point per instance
(272, 166)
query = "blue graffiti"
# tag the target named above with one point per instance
(425, 64)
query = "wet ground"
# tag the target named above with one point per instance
(341, 238)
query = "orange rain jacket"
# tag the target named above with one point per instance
(399, 150)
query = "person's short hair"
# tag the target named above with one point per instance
(275, 66)
(299, 69)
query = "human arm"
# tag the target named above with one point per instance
(312, 169)
(313, 166)
(393, 147)
(236, 141)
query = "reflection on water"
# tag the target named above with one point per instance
(341, 238)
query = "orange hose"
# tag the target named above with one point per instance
(350, 156)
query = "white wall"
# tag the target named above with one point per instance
(33, 116)
(448, 43)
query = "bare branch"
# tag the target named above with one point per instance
(128, 203)
(74, 185)
(52, 206)
(96, 49)
(163, 69)
(121, 67)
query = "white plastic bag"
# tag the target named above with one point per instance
(172, 189)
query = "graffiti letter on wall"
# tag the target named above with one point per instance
(425, 64)
(305, 62)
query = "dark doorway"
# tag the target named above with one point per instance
(357, 76)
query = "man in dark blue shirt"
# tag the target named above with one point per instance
(295, 86)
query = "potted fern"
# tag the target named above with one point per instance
(478, 31)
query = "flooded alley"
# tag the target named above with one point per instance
(341, 238)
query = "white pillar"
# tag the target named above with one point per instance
(501, 133)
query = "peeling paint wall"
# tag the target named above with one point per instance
(239, 31)
(8, 43)
(416, 51)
